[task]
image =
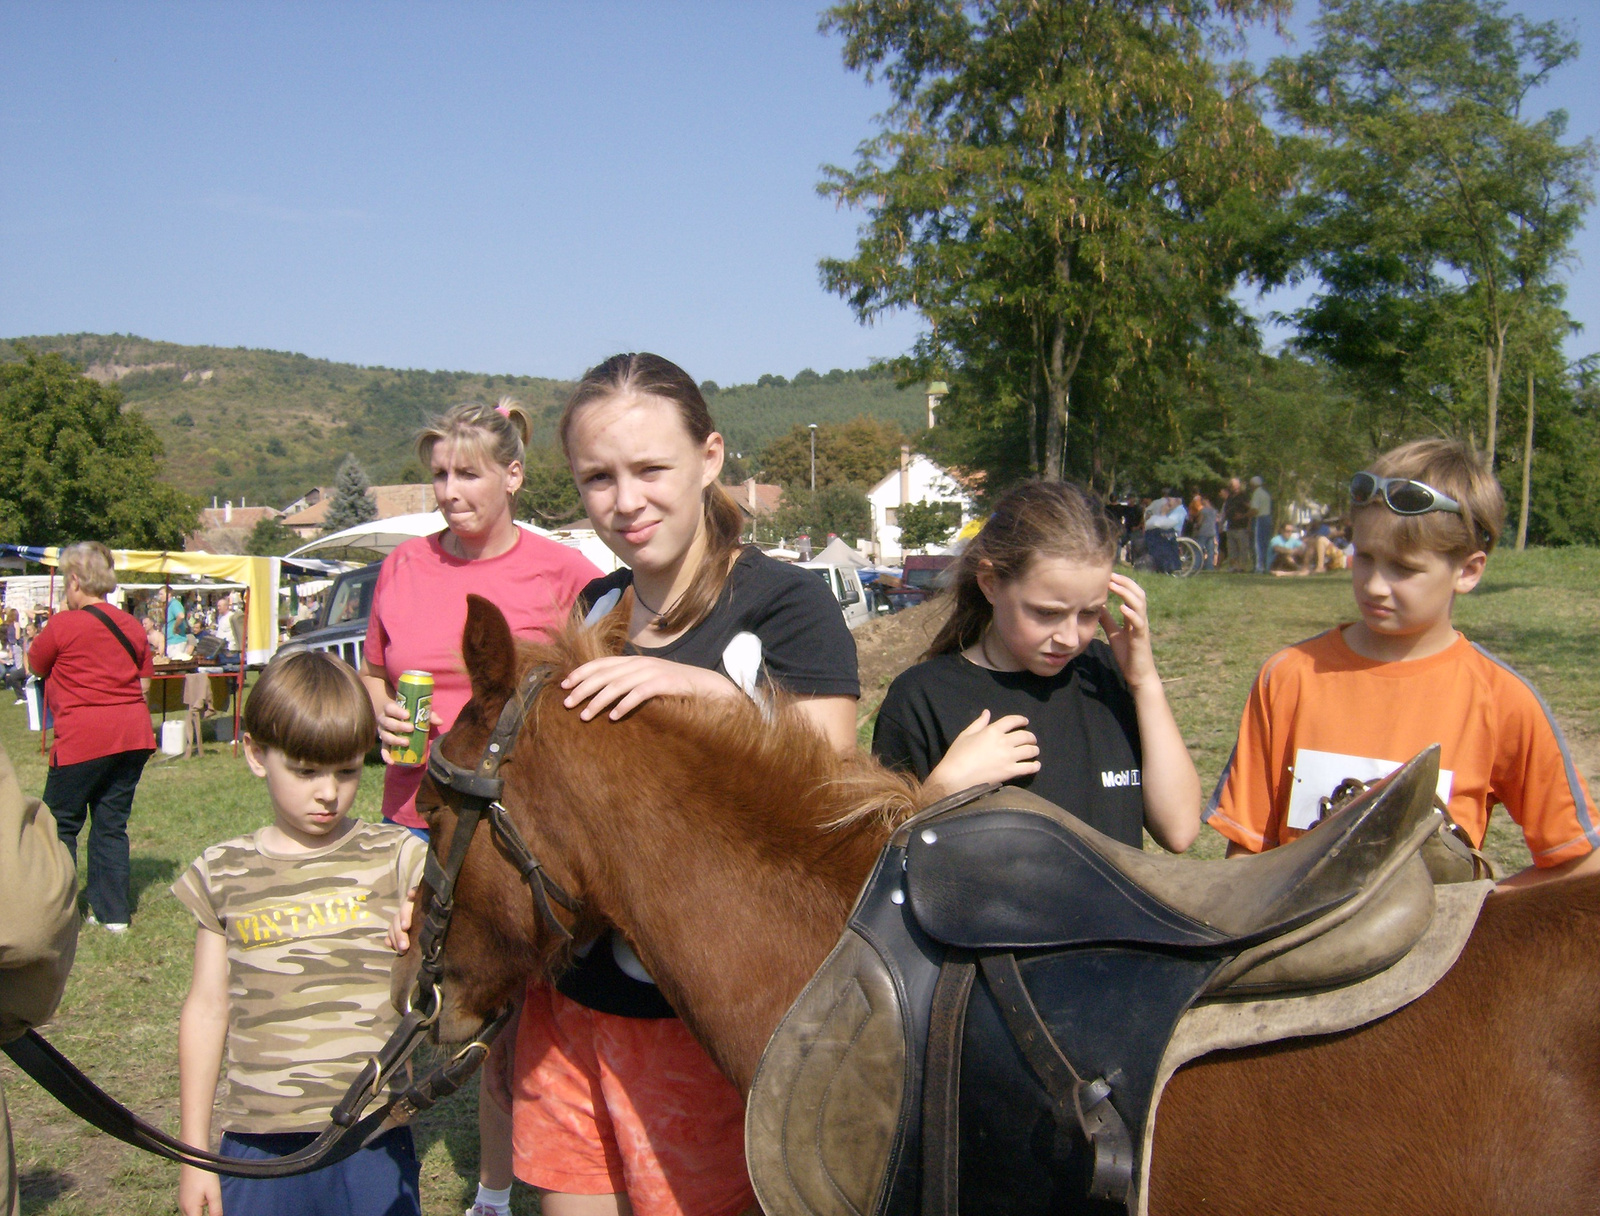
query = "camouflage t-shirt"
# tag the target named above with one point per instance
(308, 970)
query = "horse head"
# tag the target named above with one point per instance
(682, 819)
(497, 938)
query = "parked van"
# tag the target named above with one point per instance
(846, 587)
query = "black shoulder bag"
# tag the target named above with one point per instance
(122, 638)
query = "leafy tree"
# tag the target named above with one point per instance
(269, 538)
(350, 504)
(927, 523)
(1431, 207)
(549, 495)
(859, 452)
(1052, 176)
(75, 466)
(839, 508)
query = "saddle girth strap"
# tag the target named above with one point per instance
(1087, 1102)
(941, 1086)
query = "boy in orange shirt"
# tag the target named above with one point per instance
(1362, 699)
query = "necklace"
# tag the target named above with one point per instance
(983, 649)
(654, 613)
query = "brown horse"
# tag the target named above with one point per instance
(728, 849)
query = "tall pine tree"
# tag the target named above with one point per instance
(350, 505)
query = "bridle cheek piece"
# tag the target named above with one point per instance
(475, 795)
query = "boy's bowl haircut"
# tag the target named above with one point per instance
(312, 707)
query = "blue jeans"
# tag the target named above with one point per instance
(1263, 543)
(379, 1180)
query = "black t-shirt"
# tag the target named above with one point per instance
(1084, 718)
(806, 649)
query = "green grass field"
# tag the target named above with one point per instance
(1539, 611)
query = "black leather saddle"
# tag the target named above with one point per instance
(986, 1035)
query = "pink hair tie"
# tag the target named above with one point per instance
(503, 410)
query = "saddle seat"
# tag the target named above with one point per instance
(1012, 871)
(1001, 947)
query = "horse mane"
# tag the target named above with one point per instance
(816, 799)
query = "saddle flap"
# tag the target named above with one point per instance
(1012, 871)
(822, 1113)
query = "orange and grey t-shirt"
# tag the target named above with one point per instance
(308, 970)
(1319, 713)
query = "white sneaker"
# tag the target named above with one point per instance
(485, 1209)
(116, 926)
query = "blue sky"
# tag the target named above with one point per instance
(495, 187)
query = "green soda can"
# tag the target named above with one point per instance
(415, 692)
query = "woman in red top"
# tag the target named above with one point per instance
(419, 608)
(95, 662)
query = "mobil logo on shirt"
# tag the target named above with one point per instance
(1119, 778)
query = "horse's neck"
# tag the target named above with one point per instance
(730, 932)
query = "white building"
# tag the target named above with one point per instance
(917, 480)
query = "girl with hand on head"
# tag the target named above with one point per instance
(1017, 688)
(617, 1108)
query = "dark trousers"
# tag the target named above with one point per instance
(1241, 559)
(1162, 545)
(1263, 543)
(101, 790)
(379, 1180)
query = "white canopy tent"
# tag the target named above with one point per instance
(837, 553)
(384, 536)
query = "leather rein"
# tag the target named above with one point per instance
(476, 797)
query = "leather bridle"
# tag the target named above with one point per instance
(474, 795)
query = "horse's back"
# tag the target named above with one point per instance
(1482, 1096)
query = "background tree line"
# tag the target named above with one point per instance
(1070, 193)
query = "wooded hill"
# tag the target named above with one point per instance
(268, 425)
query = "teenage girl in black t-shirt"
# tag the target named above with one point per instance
(1016, 688)
(613, 1098)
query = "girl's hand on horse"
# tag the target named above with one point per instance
(1130, 640)
(986, 753)
(627, 681)
(398, 935)
(199, 1192)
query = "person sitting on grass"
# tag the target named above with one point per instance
(1363, 698)
(1288, 551)
(290, 965)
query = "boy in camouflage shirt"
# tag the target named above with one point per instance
(290, 966)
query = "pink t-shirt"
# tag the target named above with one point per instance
(419, 609)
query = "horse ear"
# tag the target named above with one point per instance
(489, 653)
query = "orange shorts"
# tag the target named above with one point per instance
(607, 1105)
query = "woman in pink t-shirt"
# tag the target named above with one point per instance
(419, 608)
